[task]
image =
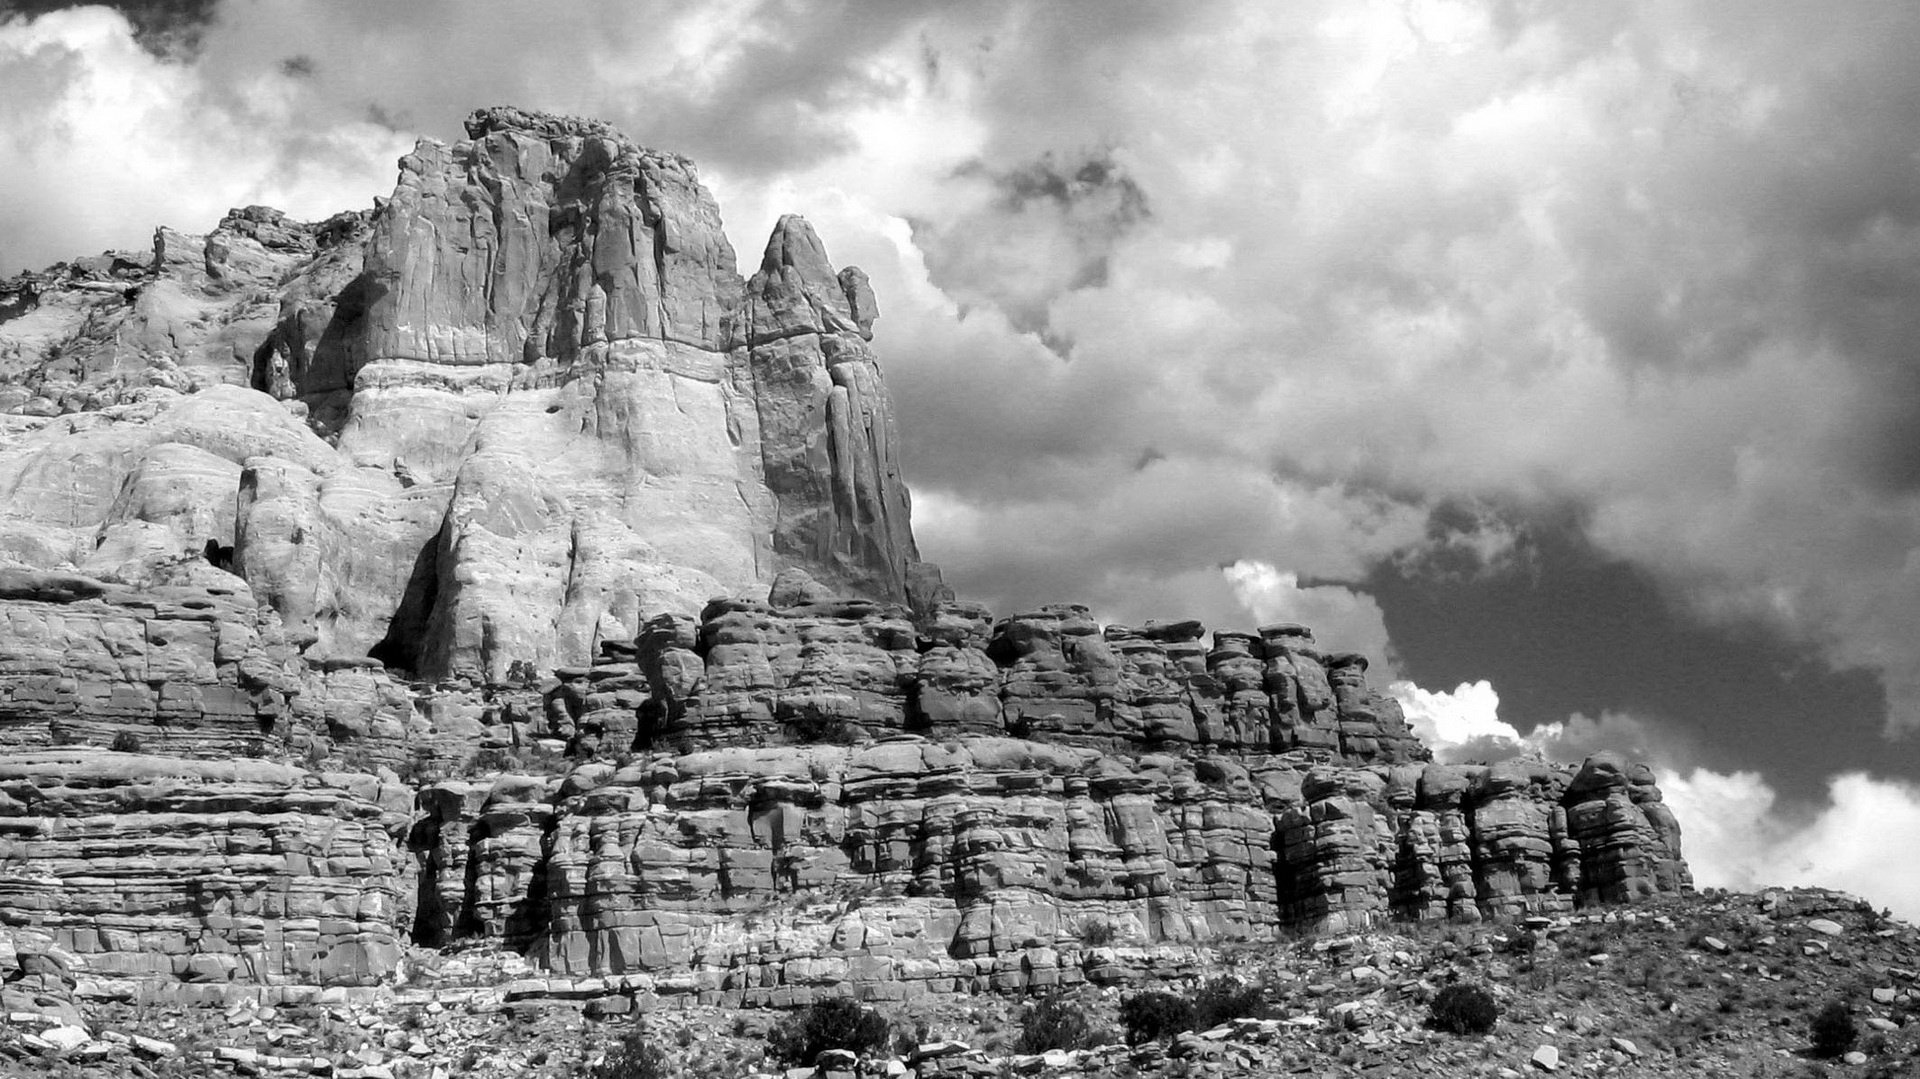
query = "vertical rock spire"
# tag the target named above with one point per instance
(827, 434)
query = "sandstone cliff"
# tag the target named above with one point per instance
(356, 593)
(524, 403)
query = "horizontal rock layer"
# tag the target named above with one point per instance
(827, 669)
(203, 871)
(903, 806)
(996, 863)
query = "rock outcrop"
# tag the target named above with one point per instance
(525, 402)
(356, 594)
(200, 872)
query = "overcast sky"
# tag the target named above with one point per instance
(1562, 356)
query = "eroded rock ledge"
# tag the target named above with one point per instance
(775, 801)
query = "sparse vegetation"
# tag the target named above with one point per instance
(127, 742)
(1226, 998)
(834, 1023)
(1095, 932)
(633, 1057)
(1832, 1029)
(1056, 1022)
(1463, 1009)
(1153, 1015)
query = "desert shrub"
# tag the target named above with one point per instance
(834, 1023)
(127, 742)
(1095, 932)
(1055, 1023)
(1832, 1029)
(633, 1057)
(1153, 1015)
(1226, 998)
(806, 726)
(1463, 1009)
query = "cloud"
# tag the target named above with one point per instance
(1456, 724)
(1343, 620)
(1737, 835)
(1464, 724)
(1737, 832)
(1049, 229)
(1325, 269)
(107, 140)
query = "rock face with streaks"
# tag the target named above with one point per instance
(522, 404)
(357, 593)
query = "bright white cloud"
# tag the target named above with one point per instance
(106, 141)
(1737, 835)
(1736, 832)
(1342, 619)
(1449, 721)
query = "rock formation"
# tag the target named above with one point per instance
(526, 402)
(356, 593)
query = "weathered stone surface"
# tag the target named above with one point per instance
(980, 862)
(828, 438)
(826, 669)
(445, 489)
(204, 870)
(549, 403)
(105, 330)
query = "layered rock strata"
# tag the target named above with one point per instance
(204, 872)
(441, 491)
(858, 767)
(908, 865)
(880, 803)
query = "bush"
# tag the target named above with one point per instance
(834, 1023)
(1226, 998)
(635, 1057)
(127, 742)
(1055, 1023)
(1464, 1009)
(1154, 1015)
(1832, 1030)
(1095, 932)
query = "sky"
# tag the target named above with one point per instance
(1559, 356)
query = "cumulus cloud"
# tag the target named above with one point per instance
(1456, 724)
(1343, 619)
(108, 140)
(1737, 834)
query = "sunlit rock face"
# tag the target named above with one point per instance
(537, 402)
(499, 564)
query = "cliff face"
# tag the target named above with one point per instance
(527, 402)
(356, 592)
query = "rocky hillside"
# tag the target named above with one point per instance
(360, 656)
(1720, 985)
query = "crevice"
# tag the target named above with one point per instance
(404, 645)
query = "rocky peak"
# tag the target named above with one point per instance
(544, 415)
(485, 121)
